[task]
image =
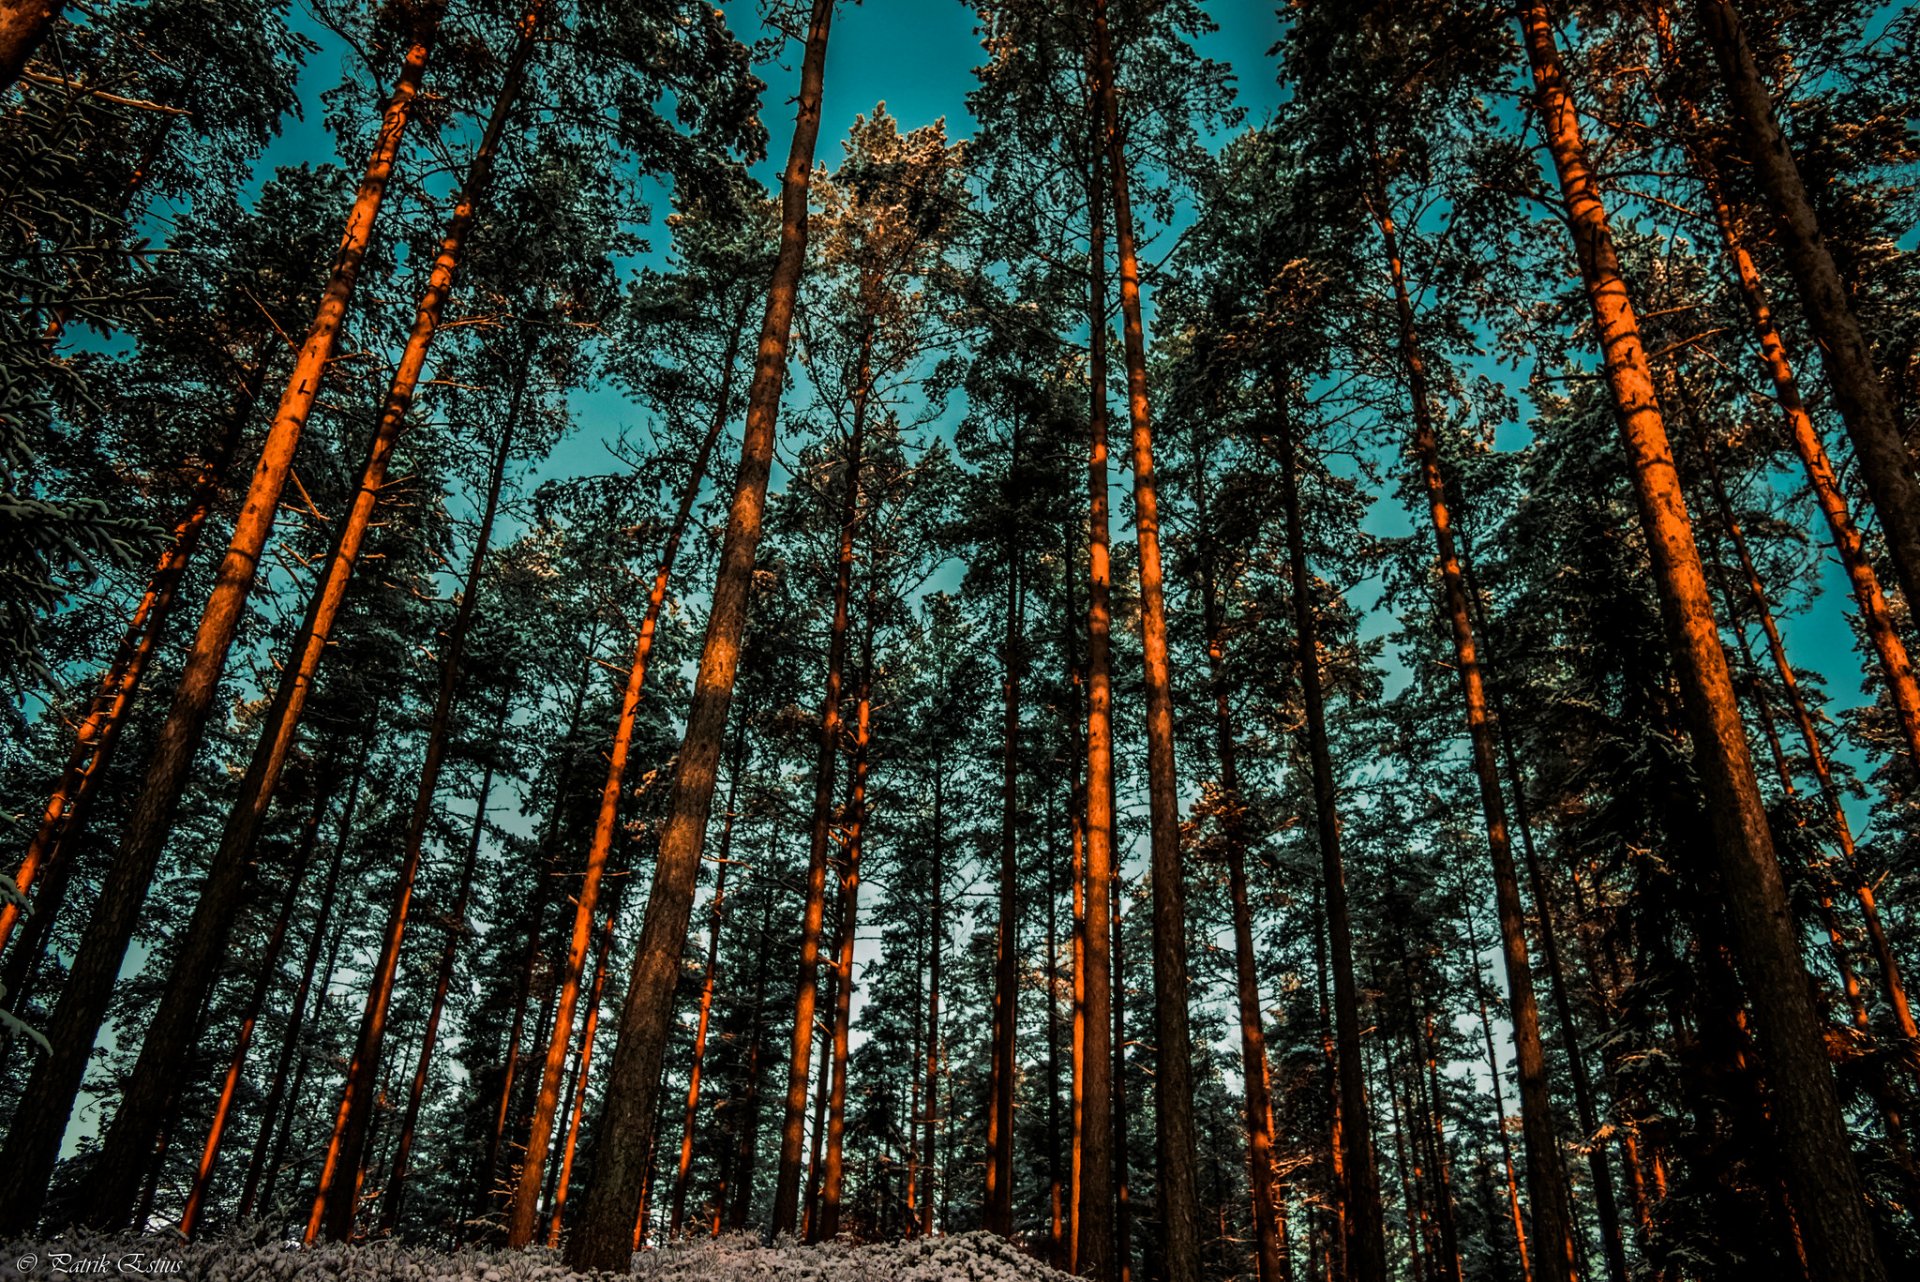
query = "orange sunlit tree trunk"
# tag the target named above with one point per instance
(1828, 1202)
(605, 1237)
(29, 1154)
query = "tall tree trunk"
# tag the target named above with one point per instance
(1177, 1187)
(1552, 1211)
(297, 1010)
(1095, 1251)
(523, 1217)
(29, 1154)
(717, 913)
(786, 1194)
(1365, 1242)
(604, 1238)
(1812, 1136)
(1876, 617)
(1077, 841)
(936, 946)
(1263, 1181)
(835, 1182)
(746, 1160)
(49, 852)
(170, 1034)
(1499, 1102)
(1006, 957)
(250, 1013)
(1122, 1193)
(24, 24)
(1858, 392)
(577, 1106)
(456, 926)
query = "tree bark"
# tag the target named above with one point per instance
(1499, 1103)
(30, 1151)
(1177, 1187)
(604, 1239)
(577, 1108)
(1811, 1134)
(1365, 1242)
(24, 25)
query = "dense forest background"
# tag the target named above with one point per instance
(1275, 650)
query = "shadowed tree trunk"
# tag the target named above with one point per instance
(577, 1106)
(1006, 956)
(1548, 1197)
(1365, 1242)
(27, 1159)
(1806, 1111)
(604, 1238)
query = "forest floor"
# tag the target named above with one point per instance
(970, 1257)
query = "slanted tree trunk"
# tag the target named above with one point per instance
(717, 913)
(1811, 1133)
(64, 820)
(1876, 617)
(524, 1214)
(456, 926)
(604, 1238)
(1365, 1242)
(1858, 392)
(24, 25)
(1177, 1186)
(256, 1002)
(27, 1158)
(1552, 1209)
(577, 1106)
(297, 1010)
(1095, 1252)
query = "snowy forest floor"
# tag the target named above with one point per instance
(973, 1257)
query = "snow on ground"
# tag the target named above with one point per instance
(970, 1257)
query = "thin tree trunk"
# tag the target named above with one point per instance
(835, 1182)
(64, 820)
(717, 912)
(1862, 398)
(747, 1156)
(1006, 968)
(1812, 1136)
(1263, 1181)
(603, 1240)
(250, 1013)
(1095, 1251)
(786, 1193)
(577, 1107)
(1176, 1189)
(1122, 1193)
(1499, 1103)
(455, 926)
(1552, 1210)
(30, 1151)
(523, 1217)
(296, 1012)
(936, 946)
(1365, 1243)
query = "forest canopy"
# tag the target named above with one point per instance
(1272, 645)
